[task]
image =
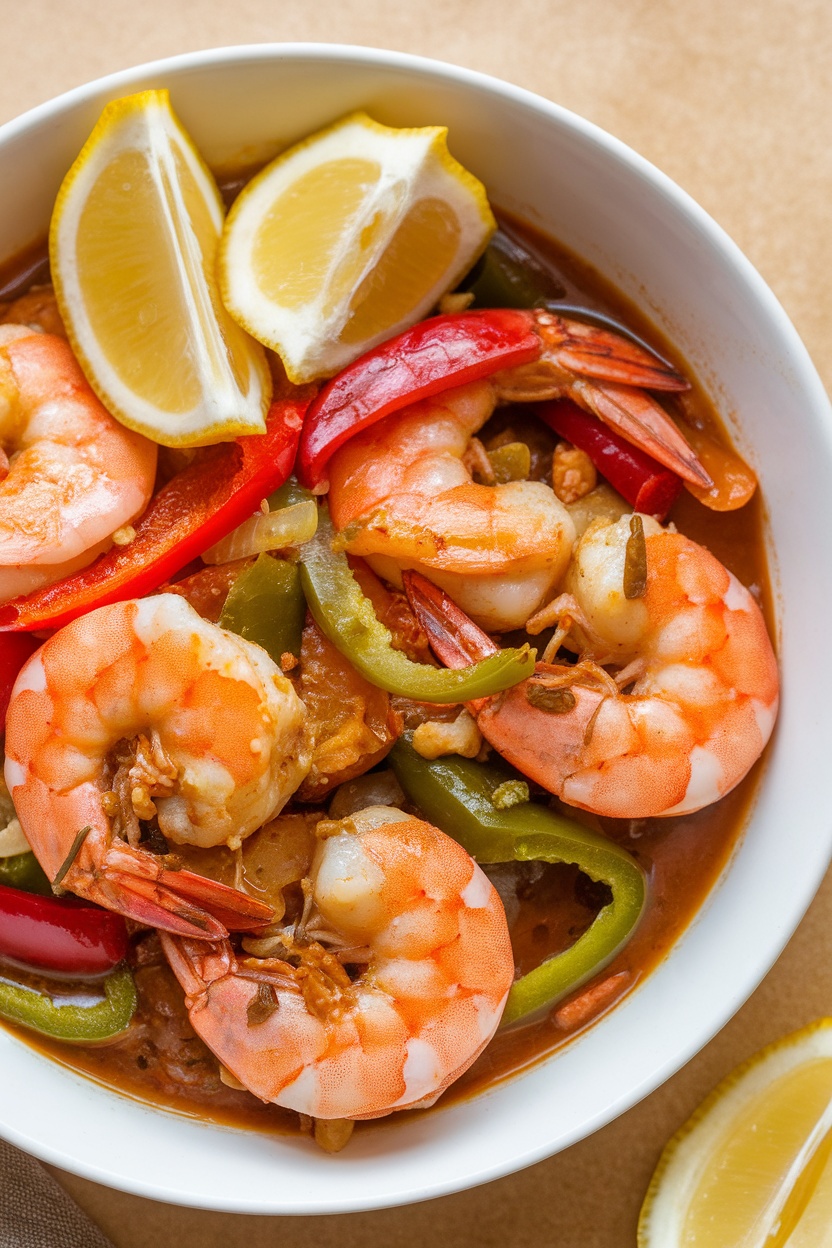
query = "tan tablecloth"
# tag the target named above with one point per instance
(735, 103)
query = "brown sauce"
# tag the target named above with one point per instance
(162, 1061)
(29, 267)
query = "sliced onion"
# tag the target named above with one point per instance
(378, 788)
(13, 840)
(274, 530)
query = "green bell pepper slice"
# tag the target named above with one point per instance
(266, 605)
(509, 275)
(456, 793)
(25, 872)
(83, 1023)
(347, 618)
(290, 492)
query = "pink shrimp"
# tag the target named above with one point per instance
(406, 903)
(144, 711)
(402, 495)
(70, 475)
(690, 643)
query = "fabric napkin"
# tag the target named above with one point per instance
(35, 1212)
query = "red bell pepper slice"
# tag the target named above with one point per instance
(647, 485)
(15, 649)
(60, 934)
(430, 357)
(195, 509)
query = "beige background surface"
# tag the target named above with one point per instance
(735, 103)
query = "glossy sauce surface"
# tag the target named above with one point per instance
(161, 1059)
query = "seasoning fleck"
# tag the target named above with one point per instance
(74, 851)
(262, 1006)
(635, 561)
(510, 793)
(511, 462)
(555, 701)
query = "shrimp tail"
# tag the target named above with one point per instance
(608, 375)
(234, 908)
(137, 886)
(149, 903)
(591, 351)
(196, 966)
(641, 420)
(454, 638)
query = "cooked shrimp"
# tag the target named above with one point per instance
(402, 495)
(693, 650)
(406, 903)
(144, 711)
(37, 309)
(70, 475)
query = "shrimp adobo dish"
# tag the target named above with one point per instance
(383, 647)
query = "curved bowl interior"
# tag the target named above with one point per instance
(619, 213)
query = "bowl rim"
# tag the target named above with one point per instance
(810, 383)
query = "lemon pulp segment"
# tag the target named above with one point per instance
(405, 270)
(307, 219)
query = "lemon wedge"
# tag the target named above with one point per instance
(348, 238)
(133, 246)
(753, 1166)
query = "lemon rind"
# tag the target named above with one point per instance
(420, 155)
(224, 411)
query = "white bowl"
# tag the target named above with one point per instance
(626, 218)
